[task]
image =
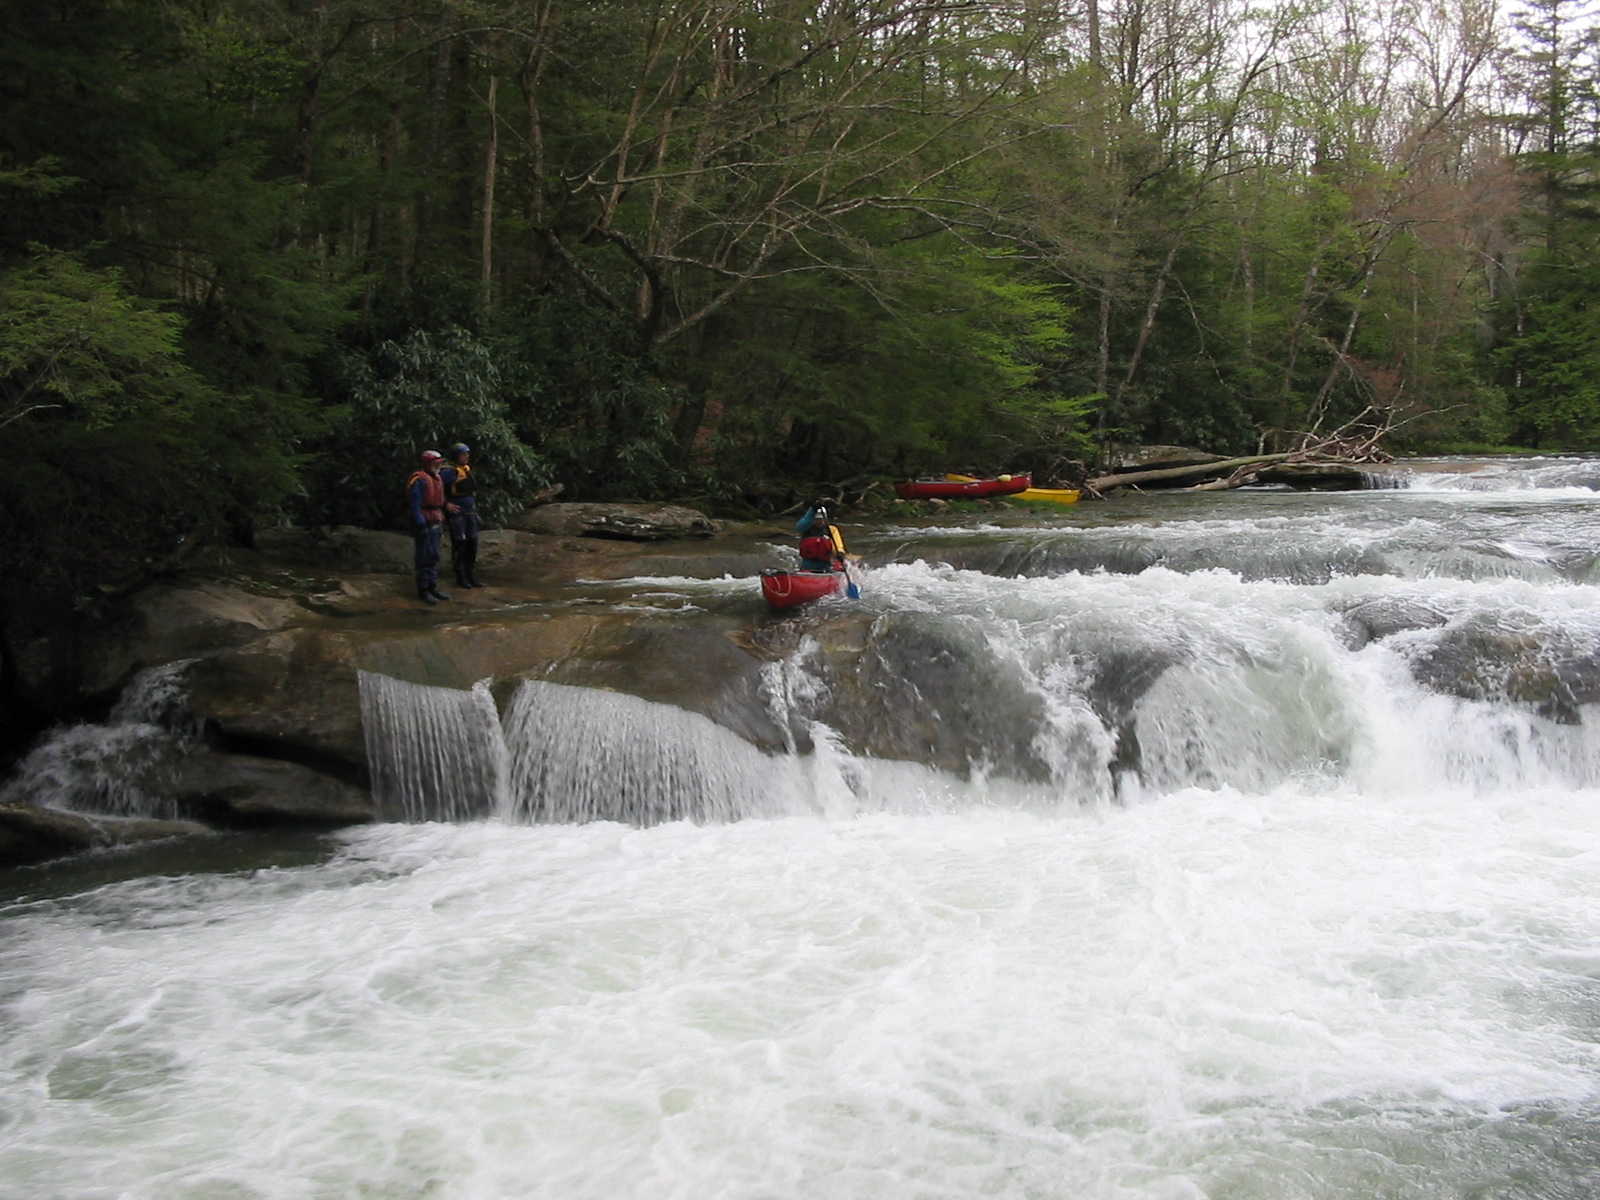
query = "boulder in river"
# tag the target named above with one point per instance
(1485, 658)
(1318, 476)
(927, 688)
(164, 623)
(1374, 619)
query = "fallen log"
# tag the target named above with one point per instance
(1220, 467)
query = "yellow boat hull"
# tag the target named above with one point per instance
(1053, 495)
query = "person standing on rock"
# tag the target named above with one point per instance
(461, 506)
(425, 500)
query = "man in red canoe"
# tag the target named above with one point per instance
(817, 549)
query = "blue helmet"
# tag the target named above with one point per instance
(460, 448)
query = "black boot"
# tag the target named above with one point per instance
(438, 595)
(427, 597)
(469, 564)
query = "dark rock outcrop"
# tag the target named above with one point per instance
(631, 522)
(1384, 616)
(929, 689)
(29, 834)
(1317, 477)
(1484, 659)
(239, 789)
(346, 549)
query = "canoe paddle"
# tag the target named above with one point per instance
(850, 588)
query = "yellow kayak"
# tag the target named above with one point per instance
(1053, 495)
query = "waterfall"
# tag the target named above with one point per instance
(121, 768)
(1384, 481)
(436, 754)
(1108, 688)
(563, 754)
(578, 754)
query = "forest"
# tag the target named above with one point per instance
(255, 254)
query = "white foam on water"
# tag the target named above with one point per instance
(1553, 477)
(1208, 994)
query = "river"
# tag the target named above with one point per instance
(1272, 870)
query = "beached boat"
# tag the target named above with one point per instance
(1051, 495)
(965, 488)
(789, 589)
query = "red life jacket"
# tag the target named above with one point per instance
(432, 495)
(817, 547)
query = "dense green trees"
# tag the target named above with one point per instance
(1549, 304)
(254, 252)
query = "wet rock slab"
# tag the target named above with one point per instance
(632, 522)
(30, 834)
(239, 789)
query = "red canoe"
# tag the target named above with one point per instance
(786, 589)
(971, 489)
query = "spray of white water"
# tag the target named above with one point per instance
(120, 768)
(1212, 994)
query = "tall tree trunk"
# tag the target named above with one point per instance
(491, 151)
(464, 160)
(1158, 293)
(425, 207)
(530, 79)
(310, 97)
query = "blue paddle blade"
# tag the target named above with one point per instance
(850, 588)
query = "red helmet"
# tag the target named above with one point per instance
(429, 456)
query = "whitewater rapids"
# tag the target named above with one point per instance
(1348, 947)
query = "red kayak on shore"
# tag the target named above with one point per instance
(969, 489)
(788, 589)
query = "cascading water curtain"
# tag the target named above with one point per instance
(578, 754)
(436, 754)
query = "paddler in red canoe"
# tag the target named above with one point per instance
(817, 549)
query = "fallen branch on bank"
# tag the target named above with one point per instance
(1356, 441)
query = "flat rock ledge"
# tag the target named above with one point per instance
(29, 834)
(241, 789)
(211, 790)
(630, 522)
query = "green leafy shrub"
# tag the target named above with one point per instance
(426, 391)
